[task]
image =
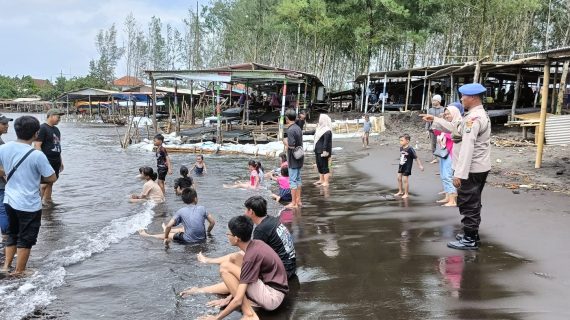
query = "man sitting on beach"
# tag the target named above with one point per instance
(192, 217)
(262, 276)
(269, 230)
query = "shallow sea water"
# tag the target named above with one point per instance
(353, 262)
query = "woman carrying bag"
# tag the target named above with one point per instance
(323, 148)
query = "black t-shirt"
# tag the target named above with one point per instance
(50, 137)
(300, 123)
(276, 235)
(407, 156)
(294, 139)
(161, 155)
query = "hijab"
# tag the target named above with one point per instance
(325, 124)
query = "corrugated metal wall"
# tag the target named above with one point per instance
(557, 130)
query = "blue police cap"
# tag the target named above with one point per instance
(472, 89)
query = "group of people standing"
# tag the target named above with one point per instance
(28, 168)
(461, 142)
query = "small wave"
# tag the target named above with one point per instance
(19, 298)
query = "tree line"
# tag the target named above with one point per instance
(335, 40)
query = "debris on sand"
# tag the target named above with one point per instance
(510, 142)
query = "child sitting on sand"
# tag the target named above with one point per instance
(183, 182)
(151, 190)
(199, 167)
(284, 187)
(407, 156)
(193, 219)
(253, 178)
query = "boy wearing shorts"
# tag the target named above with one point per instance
(163, 165)
(407, 157)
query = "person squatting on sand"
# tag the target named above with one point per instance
(323, 148)
(24, 168)
(407, 156)
(260, 281)
(268, 230)
(193, 219)
(151, 190)
(472, 163)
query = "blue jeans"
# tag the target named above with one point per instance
(4, 221)
(446, 174)
(295, 178)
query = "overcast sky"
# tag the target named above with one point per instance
(42, 38)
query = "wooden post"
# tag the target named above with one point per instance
(305, 96)
(408, 82)
(362, 93)
(562, 87)
(552, 101)
(536, 93)
(424, 90)
(451, 96)
(517, 92)
(219, 112)
(298, 96)
(90, 110)
(367, 85)
(384, 98)
(192, 111)
(543, 106)
(176, 113)
(428, 100)
(282, 118)
(154, 122)
(477, 71)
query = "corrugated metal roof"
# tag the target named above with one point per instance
(557, 130)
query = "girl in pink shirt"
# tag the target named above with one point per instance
(284, 187)
(253, 178)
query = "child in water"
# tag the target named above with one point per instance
(183, 182)
(151, 190)
(253, 178)
(199, 167)
(284, 187)
(407, 156)
(192, 217)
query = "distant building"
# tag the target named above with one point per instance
(127, 82)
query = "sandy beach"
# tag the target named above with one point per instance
(530, 225)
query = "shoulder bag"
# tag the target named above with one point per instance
(18, 164)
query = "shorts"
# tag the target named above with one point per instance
(179, 237)
(295, 178)
(322, 163)
(162, 172)
(264, 296)
(284, 195)
(405, 171)
(23, 228)
(3, 215)
(56, 165)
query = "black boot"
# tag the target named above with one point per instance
(469, 241)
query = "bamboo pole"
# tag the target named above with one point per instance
(451, 96)
(562, 87)
(154, 122)
(543, 106)
(424, 90)
(282, 117)
(408, 83)
(517, 92)
(384, 98)
(298, 96)
(553, 101)
(192, 115)
(367, 94)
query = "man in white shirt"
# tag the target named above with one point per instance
(24, 168)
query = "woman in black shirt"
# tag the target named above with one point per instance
(323, 148)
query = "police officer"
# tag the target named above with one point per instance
(472, 165)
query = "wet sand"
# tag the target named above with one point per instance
(531, 226)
